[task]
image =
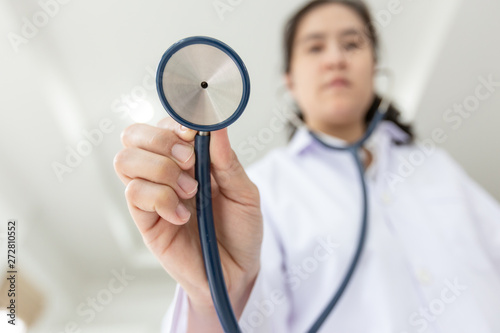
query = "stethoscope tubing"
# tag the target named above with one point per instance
(354, 151)
(207, 234)
(208, 238)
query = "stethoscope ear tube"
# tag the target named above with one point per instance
(208, 237)
(353, 149)
(359, 249)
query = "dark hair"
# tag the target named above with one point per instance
(361, 9)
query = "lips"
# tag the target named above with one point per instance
(338, 82)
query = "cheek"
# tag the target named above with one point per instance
(305, 71)
(363, 75)
(305, 82)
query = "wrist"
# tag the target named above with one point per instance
(240, 297)
(202, 319)
(203, 316)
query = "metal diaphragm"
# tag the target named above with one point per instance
(203, 84)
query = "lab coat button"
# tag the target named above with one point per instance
(424, 276)
(386, 198)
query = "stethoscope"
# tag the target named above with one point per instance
(204, 85)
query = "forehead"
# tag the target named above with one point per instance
(331, 19)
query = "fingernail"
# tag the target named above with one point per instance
(184, 128)
(186, 183)
(182, 212)
(182, 153)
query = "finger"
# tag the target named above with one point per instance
(148, 201)
(132, 163)
(183, 132)
(117, 162)
(160, 141)
(228, 172)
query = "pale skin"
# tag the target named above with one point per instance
(158, 173)
(156, 186)
(330, 43)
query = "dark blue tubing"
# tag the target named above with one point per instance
(362, 237)
(208, 238)
(353, 149)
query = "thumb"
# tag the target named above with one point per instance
(227, 171)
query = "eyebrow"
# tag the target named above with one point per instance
(320, 35)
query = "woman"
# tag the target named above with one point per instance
(287, 231)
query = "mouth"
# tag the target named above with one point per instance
(338, 83)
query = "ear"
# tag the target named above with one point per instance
(376, 67)
(289, 83)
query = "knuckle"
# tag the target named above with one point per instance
(166, 170)
(132, 190)
(117, 161)
(127, 133)
(167, 198)
(160, 139)
(166, 122)
(120, 159)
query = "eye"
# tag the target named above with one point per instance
(352, 45)
(315, 48)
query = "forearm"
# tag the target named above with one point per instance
(204, 319)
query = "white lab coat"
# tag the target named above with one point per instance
(431, 262)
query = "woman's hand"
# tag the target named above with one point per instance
(157, 167)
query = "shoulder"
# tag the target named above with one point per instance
(422, 166)
(428, 158)
(268, 169)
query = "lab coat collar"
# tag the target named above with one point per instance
(303, 141)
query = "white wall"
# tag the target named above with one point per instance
(70, 76)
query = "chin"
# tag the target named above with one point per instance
(340, 109)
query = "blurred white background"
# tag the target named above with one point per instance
(71, 69)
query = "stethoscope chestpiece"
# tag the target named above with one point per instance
(202, 83)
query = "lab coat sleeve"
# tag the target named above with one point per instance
(486, 212)
(484, 209)
(268, 307)
(175, 320)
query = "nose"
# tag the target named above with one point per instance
(334, 57)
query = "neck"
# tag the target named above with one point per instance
(348, 133)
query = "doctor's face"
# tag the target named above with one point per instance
(331, 68)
